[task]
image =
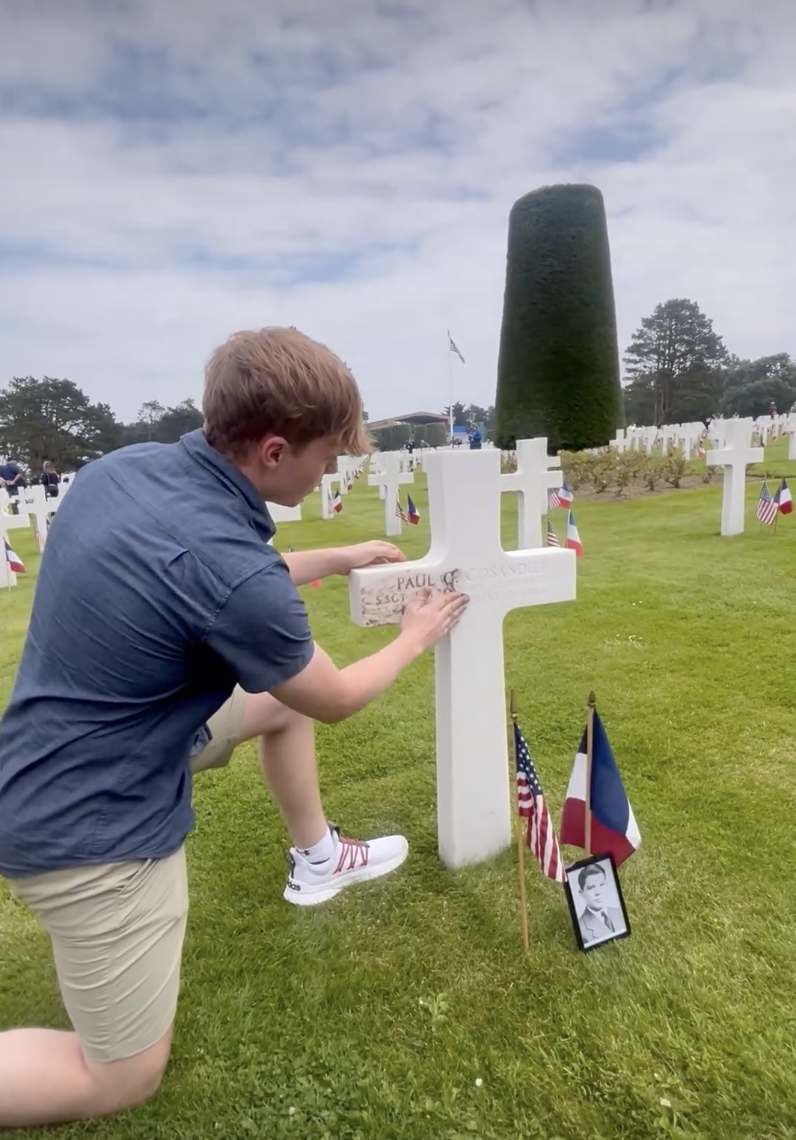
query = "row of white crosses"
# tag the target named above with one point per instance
(33, 505)
(347, 467)
(464, 489)
(685, 436)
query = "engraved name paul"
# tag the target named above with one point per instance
(387, 600)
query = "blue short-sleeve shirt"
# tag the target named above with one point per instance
(157, 593)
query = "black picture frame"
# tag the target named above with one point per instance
(589, 933)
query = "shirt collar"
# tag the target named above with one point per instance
(195, 443)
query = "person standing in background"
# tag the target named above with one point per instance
(12, 478)
(50, 479)
(474, 436)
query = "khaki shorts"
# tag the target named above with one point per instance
(117, 930)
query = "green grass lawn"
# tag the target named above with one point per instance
(374, 1015)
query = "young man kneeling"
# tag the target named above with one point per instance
(166, 630)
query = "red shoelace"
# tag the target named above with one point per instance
(352, 851)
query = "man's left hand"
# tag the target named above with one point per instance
(370, 554)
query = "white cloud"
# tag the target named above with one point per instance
(169, 169)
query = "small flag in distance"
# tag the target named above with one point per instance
(561, 497)
(452, 347)
(337, 502)
(412, 513)
(573, 538)
(552, 537)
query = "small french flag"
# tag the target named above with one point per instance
(784, 498)
(573, 538)
(412, 513)
(15, 563)
(337, 502)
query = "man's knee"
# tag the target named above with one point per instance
(127, 1083)
(264, 715)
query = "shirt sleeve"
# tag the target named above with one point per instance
(262, 631)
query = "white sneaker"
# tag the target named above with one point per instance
(352, 862)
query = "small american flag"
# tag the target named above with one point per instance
(531, 805)
(766, 510)
(452, 347)
(552, 538)
(400, 512)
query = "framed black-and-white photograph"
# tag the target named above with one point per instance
(595, 901)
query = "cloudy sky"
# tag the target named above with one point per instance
(173, 170)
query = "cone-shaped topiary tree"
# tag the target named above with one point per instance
(558, 368)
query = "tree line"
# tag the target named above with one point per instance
(54, 419)
(677, 369)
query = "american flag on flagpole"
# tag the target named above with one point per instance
(767, 509)
(552, 537)
(452, 347)
(531, 805)
(400, 512)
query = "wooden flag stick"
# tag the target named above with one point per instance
(518, 831)
(589, 755)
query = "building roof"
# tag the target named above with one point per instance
(410, 418)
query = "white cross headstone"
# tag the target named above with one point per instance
(619, 442)
(280, 514)
(9, 523)
(473, 812)
(390, 477)
(735, 456)
(326, 494)
(533, 480)
(650, 439)
(790, 431)
(668, 434)
(34, 502)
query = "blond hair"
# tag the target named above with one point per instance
(277, 381)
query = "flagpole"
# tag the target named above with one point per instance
(450, 387)
(589, 755)
(518, 831)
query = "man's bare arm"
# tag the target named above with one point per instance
(328, 694)
(309, 565)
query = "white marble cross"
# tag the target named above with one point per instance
(473, 800)
(735, 456)
(9, 523)
(280, 514)
(668, 434)
(390, 477)
(34, 502)
(790, 431)
(326, 494)
(532, 481)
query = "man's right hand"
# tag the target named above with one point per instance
(431, 616)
